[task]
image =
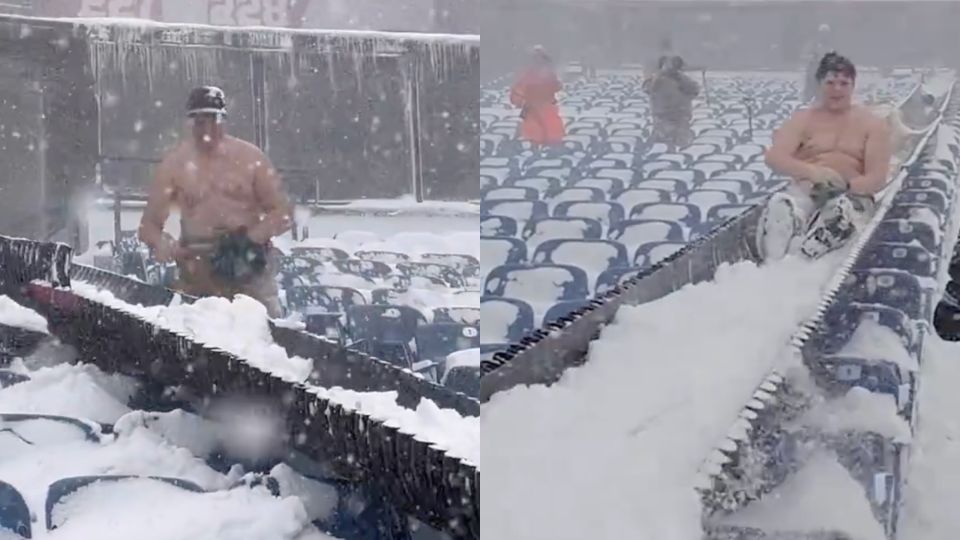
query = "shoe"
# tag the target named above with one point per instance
(830, 229)
(779, 225)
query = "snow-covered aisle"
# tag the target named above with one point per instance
(611, 451)
(933, 477)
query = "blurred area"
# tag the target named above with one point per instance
(718, 34)
(443, 16)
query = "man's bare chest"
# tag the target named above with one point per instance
(198, 182)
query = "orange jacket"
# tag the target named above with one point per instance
(535, 87)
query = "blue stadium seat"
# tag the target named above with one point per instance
(386, 257)
(909, 257)
(321, 253)
(496, 251)
(648, 168)
(511, 193)
(687, 214)
(674, 188)
(706, 199)
(903, 231)
(689, 177)
(710, 169)
(625, 175)
(322, 298)
(721, 182)
(724, 212)
(504, 320)
(918, 212)
(634, 232)
(562, 309)
(929, 183)
(457, 314)
(498, 226)
(541, 184)
(463, 379)
(606, 213)
(576, 194)
(614, 277)
(528, 282)
(448, 275)
(385, 331)
(14, 512)
(651, 253)
(609, 186)
(587, 254)
(894, 288)
(519, 210)
(436, 341)
(368, 269)
(936, 200)
(67, 486)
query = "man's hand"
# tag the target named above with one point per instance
(167, 249)
(819, 174)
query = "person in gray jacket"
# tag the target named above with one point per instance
(671, 101)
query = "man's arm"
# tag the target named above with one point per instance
(688, 86)
(786, 141)
(876, 160)
(273, 203)
(154, 218)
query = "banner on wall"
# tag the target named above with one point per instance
(215, 12)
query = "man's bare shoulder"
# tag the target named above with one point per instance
(243, 147)
(175, 156)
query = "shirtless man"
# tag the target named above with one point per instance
(231, 202)
(837, 155)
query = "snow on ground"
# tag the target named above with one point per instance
(612, 449)
(240, 326)
(933, 477)
(34, 454)
(821, 496)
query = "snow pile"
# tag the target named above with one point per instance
(652, 387)
(821, 496)
(859, 410)
(875, 342)
(151, 510)
(74, 391)
(933, 479)
(240, 326)
(13, 314)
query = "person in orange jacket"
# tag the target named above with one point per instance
(534, 92)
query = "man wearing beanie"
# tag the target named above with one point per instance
(231, 204)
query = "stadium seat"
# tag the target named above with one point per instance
(605, 213)
(609, 186)
(635, 232)
(511, 193)
(576, 194)
(687, 214)
(320, 254)
(504, 320)
(562, 309)
(385, 331)
(372, 270)
(519, 210)
(541, 283)
(67, 486)
(498, 226)
(613, 278)
(386, 257)
(496, 251)
(436, 341)
(651, 253)
(457, 314)
(446, 274)
(14, 513)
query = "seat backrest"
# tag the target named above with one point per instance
(520, 210)
(359, 267)
(449, 275)
(386, 257)
(741, 187)
(436, 341)
(562, 309)
(606, 213)
(498, 250)
(457, 314)
(710, 168)
(498, 226)
(634, 196)
(634, 232)
(687, 214)
(320, 253)
(383, 323)
(608, 186)
(561, 227)
(322, 298)
(651, 253)
(504, 320)
(705, 199)
(512, 192)
(541, 283)
(614, 277)
(595, 255)
(723, 212)
(624, 175)
(588, 194)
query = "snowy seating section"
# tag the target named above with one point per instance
(864, 353)
(562, 225)
(411, 299)
(77, 462)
